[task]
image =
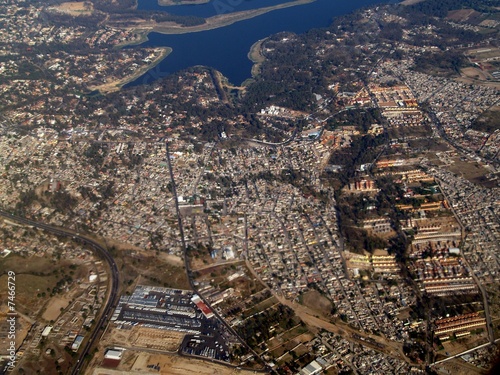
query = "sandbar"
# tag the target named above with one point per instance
(166, 3)
(219, 20)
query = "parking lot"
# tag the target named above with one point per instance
(165, 309)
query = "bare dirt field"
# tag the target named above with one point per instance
(459, 367)
(459, 346)
(174, 365)
(54, 308)
(22, 328)
(468, 80)
(471, 171)
(169, 365)
(172, 259)
(315, 301)
(461, 15)
(27, 289)
(474, 73)
(147, 338)
(156, 339)
(75, 8)
(141, 266)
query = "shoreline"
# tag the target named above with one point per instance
(222, 20)
(143, 39)
(410, 2)
(117, 85)
(255, 56)
(167, 3)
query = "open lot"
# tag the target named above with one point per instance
(146, 267)
(36, 278)
(488, 121)
(315, 301)
(141, 337)
(75, 8)
(27, 288)
(468, 80)
(463, 15)
(22, 265)
(475, 73)
(22, 328)
(471, 171)
(460, 367)
(137, 363)
(461, 345)
(54, 308)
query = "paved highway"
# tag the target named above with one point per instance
(115, 280)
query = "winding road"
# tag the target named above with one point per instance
(114, 279)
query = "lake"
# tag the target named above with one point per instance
(226, 48)
(209, 9)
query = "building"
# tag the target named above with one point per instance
(454, 250)
(202, 306)
(46, 331)
(112, 357)
(76, 344)
(311, 369)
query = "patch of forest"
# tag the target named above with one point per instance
(440, 8)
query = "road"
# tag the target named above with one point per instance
(296, 131)
(310, 317)
(460, 354)
(189, 271)
(484, 294)
(114, 280)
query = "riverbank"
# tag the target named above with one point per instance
(117, 84)
(166, 3)
(142, 38)
(255, 55)
(219, 20)
(226, 48)
(411, 2)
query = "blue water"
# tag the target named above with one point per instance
(226, 48)
(209, 9)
